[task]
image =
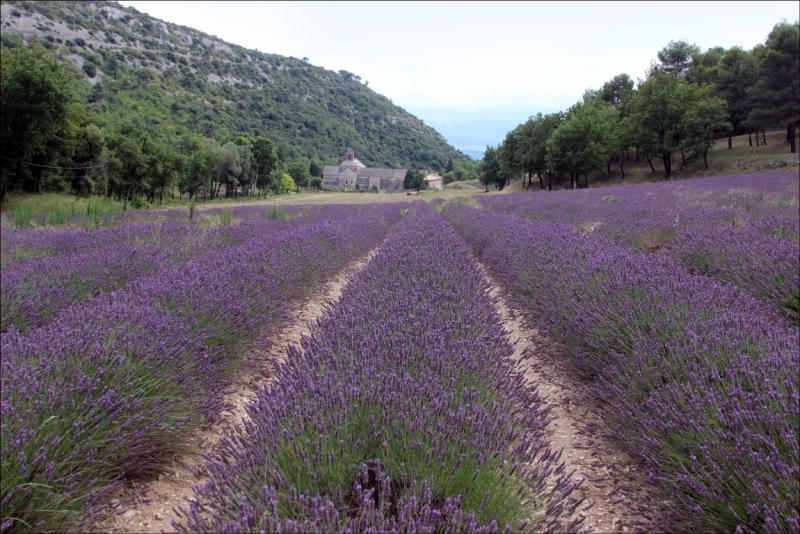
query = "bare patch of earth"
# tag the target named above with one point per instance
(614, 488)
(151, 506)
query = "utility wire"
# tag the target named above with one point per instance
(51, 167)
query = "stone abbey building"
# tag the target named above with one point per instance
(351, 173)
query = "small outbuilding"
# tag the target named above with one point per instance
(434, 181)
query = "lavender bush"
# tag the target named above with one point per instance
(766, 266)
(402, 413)
(741, 229)
(108, 386)
(31, 291)
(700, 379)
(103, 391)
(240, 295)
(151, 229)
(74, 265)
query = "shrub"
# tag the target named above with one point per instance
(22, 216)
(287, 184)
(57, 215)
(140, 203)
(277, 213)
(104, 391)
(107, 388)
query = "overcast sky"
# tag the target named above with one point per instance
(475, 70)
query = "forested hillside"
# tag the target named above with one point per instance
(149, 96)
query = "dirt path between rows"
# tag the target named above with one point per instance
(150, 507)
(614, 488)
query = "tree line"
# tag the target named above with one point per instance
(688, 99)
(51, 140)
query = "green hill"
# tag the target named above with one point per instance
(182, 80)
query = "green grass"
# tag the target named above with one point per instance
(653, 240)
(58, 209)
(226, 217)
(742, 159)
(278, 213)
(22, 216)
(57, 215)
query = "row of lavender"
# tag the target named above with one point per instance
(32, 243)
(107, 387)
(700, 379)
(401, 413)
(75, 265)
(740, 229)
(47, 270)
(147, 227)
(765, 203)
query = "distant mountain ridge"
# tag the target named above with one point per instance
(179, 77)
(474, 154)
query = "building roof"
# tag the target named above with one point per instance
(352, 163)
(382, 173)
(350, 160)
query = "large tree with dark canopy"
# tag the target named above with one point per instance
(584, 142)
(776, 92)
(511, 154)
(534, 134)
(36, 126)
(490, 167)
(736, 76)
(617, 91)
(676, 57)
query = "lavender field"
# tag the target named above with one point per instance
(676, 305)
(744, 230)
(401, 412)
(107, 360)
(671, 307)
